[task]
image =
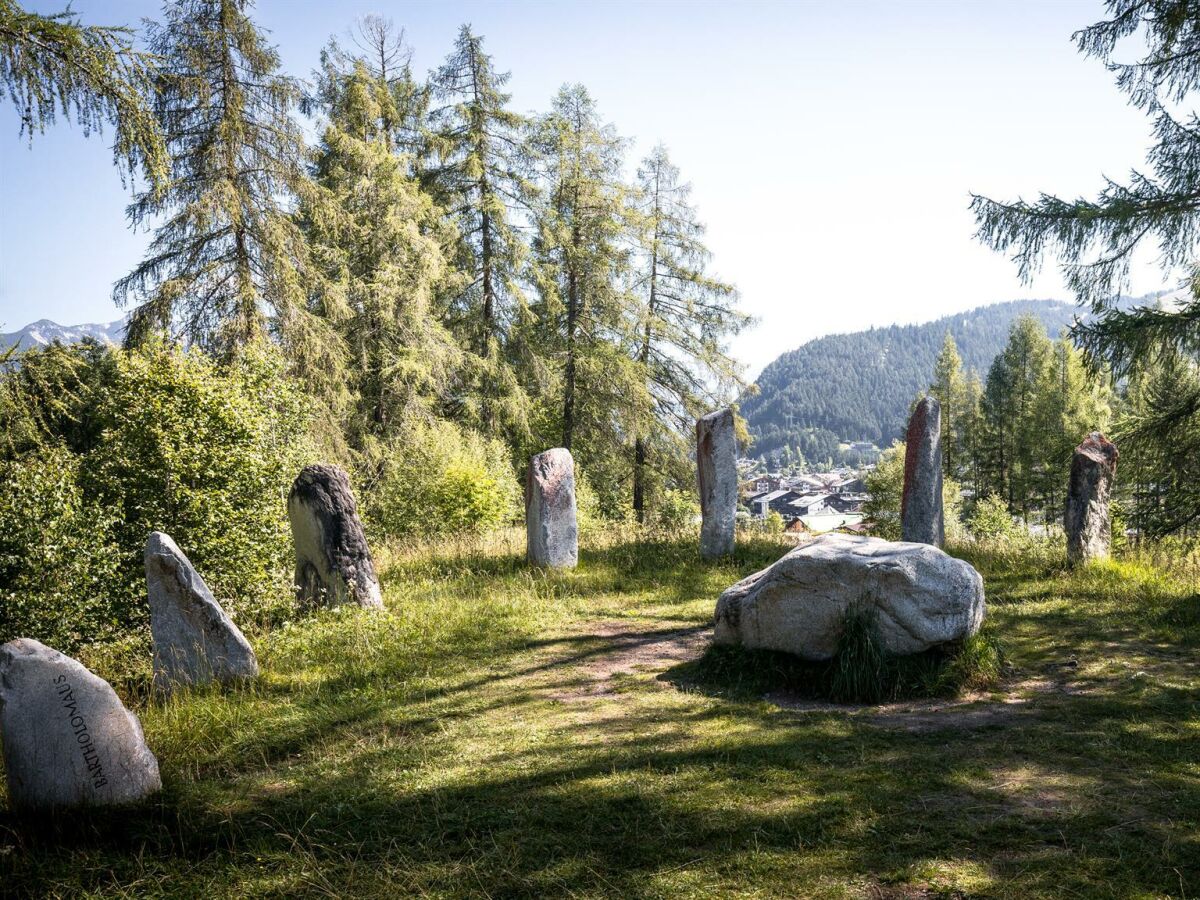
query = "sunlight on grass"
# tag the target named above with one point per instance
(475, 739)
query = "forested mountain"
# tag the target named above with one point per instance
(859, 386)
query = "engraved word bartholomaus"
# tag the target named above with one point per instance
(90, 757)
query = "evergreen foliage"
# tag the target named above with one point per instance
(93, 75)
(480, 176)
(687, 319)
(227, 252)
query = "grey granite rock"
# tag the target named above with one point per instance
(69, 741)
(716, 465)
(194, 640)
(1088, 519)
(550, 523)
(922, 597)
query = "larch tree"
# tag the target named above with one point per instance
(949, 388)
(478, 172)
(687, 317)
(586, 314)
(380, 243)
(52, 65)
(227, 259)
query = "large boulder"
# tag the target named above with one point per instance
(69, 741)
(921, 515)
(716, 466)
(1087, 518)
(333, 562)
(921, 596)
(551, 530)
(195, 642)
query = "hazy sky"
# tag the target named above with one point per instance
(831, 146)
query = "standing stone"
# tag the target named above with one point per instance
(716, 465)
(195, 642)
(69, 741)
(333, 562)
(1087, 521)
(921, 517)
(551, 530)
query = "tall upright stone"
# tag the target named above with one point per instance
(551, 529)
(195, 642)
(69, 741)
(1087, 519)
(716, 470)
(922, 519)
(333, 562)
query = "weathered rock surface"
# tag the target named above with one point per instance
(68, 739)
(333, 562)
(195, 642)
(921, 516)
(1087, 518)
(716, 465)
(922, 597)
(550, 526)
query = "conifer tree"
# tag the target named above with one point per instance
(227, 253)
(1095, 239)
(381, 48)
(586, 315)
(380, 243)
(479, 175)
(1010, 403)
(687, 315)
(949, 389)
(54, 65)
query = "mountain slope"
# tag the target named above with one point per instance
(43, 332)
(859, 386)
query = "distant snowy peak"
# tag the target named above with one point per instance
(43, 332)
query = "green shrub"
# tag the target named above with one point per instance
(674, 510)
(990, 520)
(175, 443)
(435, 478)
(59, 571)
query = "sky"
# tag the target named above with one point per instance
(832, 147)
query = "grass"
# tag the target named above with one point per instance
(494, 735)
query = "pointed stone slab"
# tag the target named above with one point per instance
(333, 562)
(1087, 518)
(551, 530)
(716, 468)
(195, 642)
(69, 741)
(922, 519)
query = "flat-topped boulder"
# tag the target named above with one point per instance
(68, 739)
(716, 469)
(195, 642)
(551, 530)
(921, 597)
(333, 562)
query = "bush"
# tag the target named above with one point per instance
(438, 479)
(675, 511)
(990, 521)
(175, 443)
(59, 571)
